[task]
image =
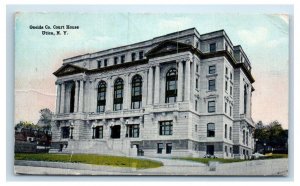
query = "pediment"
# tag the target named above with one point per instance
(68, 69)
(168, 47)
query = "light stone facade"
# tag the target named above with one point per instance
(88, 120)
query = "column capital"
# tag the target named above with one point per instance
(59, 82)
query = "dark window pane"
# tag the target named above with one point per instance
(211, 106)
(101, 98)
(171, 86)
(212, 47)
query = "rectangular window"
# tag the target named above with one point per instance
(226, 86)
(231, 90)
(99, 64)
(225, 107)
(195, 128)
(247, 135)
(226, 71)
(212, 85)
(168, 148)
(132, 131)
(225, 131)
(141, 54)
(105, 62)
(159, 148)
(212, 47)
(210, 130)
(196, 83)
(197, 68)
(230, 76)
(212, 69)
(230, 111)
(226, 47)
(65, 132)
(196, 105)
(211, 106)
(132, 56)
(165, 128)
(123, 59)
(116, 60)
(99, 132)
(230, 133)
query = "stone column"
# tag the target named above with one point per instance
(91, 95)
(95, 95)
(180, 81)
(187, 88)
(80, 103)
(126, 99)
(144, 90)
(156, 88)
(58, 98)
(62, 98)
(76, 97)
(150, 86)
(109, 91)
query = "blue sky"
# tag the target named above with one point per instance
(264, 38)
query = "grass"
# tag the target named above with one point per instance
(276, 156)
(91, 159)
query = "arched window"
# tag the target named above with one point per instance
(118, 94)
(171, 86)
(101, 97)
(136, 92)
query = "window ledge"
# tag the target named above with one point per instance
(211, 75)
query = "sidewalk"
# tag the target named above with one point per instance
(271, 167)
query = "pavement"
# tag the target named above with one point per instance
(272, 167)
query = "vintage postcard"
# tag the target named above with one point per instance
(151, 94)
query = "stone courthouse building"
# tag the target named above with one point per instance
(181, 94)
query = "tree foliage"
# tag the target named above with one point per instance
(271, 135)
(45, 118)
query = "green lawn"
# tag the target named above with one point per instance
(91, 159)
(276, 156)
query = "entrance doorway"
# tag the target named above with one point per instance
(210, 150)
(115, 131)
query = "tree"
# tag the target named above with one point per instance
(45, 118)
(272, 135)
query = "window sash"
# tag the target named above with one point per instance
(212, 47)
(212, 84)
(212, 69)
(159, 148)
(99, 132)
(211, 106)
(166, 128)
(210, 130)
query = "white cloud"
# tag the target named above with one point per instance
(274, 43)
(255, 36)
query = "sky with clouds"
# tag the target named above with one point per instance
(264, 38)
